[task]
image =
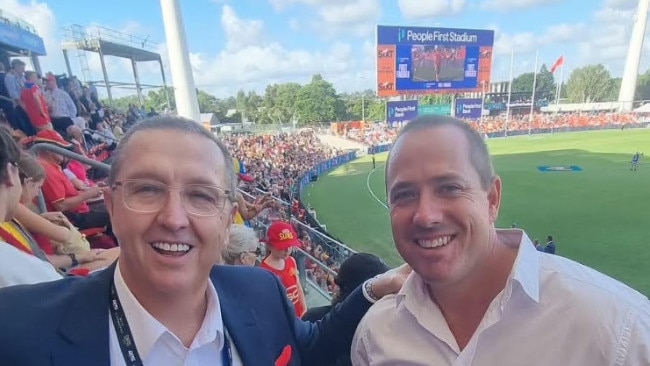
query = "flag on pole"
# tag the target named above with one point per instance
(559, 62)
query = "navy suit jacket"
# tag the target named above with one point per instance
(65, 323)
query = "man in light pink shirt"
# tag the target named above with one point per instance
(478, 295)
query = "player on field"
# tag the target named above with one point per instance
(635, 161)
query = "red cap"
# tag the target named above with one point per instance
(281, 235)
(52, 137)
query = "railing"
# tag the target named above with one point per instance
(93, 132)
(34, 150)
(642, 122)
(78, 33)
(315, 294)
(14, 20)
(320, 235)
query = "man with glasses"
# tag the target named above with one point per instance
(171, 199)
(16, 267)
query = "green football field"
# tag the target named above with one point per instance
(597, 216)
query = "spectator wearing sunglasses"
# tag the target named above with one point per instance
(243, 246)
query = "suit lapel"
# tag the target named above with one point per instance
(84, 326)
(241, 323)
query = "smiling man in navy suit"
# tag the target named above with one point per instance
(171, 199)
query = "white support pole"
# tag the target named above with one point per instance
(631, 71)
(187, 104)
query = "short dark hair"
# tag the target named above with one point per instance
(16, 62)
(479, 155)
(174, 123)
(355, 270)
(9, 151)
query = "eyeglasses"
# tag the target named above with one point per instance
(150, 196)
(257, 252)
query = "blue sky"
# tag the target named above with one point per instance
(247, 44)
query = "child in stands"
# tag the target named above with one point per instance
(281, 238)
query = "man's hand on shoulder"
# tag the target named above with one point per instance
(386, 283)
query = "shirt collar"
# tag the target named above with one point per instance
(525, 271)
(147, 330)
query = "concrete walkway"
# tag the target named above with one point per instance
(340, 142)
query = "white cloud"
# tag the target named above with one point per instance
(353, 17)
(294, 24)
(621, 4)
(337, 17)
(240, 32)
(609, 38)
(557, 35)
(505, 5)
(350, 12)
(415, 9)
(608, 15)
(252, 63)
(42, 18)
(280, 5)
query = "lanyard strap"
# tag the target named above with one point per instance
(127, 343)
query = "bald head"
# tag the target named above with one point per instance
(479, 155)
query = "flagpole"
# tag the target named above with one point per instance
(532, 104)
(559, 86)
(482, 100)
(512, 63)
(559, 91)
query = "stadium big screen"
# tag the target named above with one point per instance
(416, 60)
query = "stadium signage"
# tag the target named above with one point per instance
(399, 112)
(468, 108)
(436, 36)
(431, 60)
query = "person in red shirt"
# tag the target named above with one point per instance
(281, 238)
(85, 209)
(34, 101)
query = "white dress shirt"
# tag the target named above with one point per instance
(60, 103)
(552, 311)
(157, 346)
(20, 268)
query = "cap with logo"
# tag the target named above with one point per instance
(281, 235)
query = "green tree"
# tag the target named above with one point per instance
(523, 83)
(376, 111)
(253, 106)
(356, 105)
(590, 84)
(278, 103)
(545, 87)
(318, 102)
(642, 86)
(436, 99)
(123, 102)
(207, 102)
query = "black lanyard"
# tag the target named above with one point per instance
(127, 343)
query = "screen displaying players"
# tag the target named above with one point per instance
(438, 63)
